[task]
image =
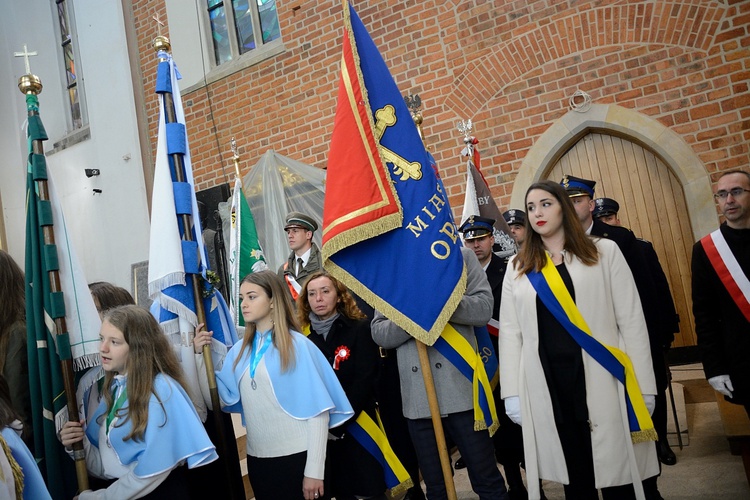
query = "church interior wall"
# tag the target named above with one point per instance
(110, 228)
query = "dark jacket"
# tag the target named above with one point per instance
(495, 273)
(350, 469)
(723, 332)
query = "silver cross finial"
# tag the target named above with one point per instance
(465, 127)
(25, 54)
(159, 24)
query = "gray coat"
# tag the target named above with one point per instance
(454, 391)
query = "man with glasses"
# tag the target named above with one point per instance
(721, 292)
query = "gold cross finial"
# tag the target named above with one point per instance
(159, 24)
(25, 54)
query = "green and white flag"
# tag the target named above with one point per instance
(70, 305)
(245, 253)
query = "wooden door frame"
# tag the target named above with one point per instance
(631, 125)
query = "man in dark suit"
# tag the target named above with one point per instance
(508, 440)
(581, 193)
(516, 220)
(606, 210)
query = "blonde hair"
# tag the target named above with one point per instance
(282, 316)
(533, 256)
(149, 354)
(346, 305)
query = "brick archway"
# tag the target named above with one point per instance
(662, 141)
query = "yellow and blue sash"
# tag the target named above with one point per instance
(456, 349)
(372, 438)
(554, 294)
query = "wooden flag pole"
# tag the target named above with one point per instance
(30, 84)
(161, 44)
(414, 103)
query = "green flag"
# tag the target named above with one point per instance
(45, 350)
(245, 253)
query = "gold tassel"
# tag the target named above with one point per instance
(401, 489)
(17, 471)
(644, 436)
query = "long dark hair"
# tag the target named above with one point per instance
(282, 315)
(110, 295)
(533, 256)
(12, 300)
(149, 354)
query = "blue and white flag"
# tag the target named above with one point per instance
(173, 255)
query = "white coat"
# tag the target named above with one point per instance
(607, 298)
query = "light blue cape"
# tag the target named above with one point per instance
(174, 432)
(303, 392)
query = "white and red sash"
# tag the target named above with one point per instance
(493, 327)
(294, 287)
(728, 269)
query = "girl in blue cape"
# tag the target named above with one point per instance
(20, 477)
(145, 427)
(286, 391)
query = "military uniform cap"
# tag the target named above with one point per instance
(576, 186)
(300, 220)
(515, 216)
(476, 227)
(604, 207)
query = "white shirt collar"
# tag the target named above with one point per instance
(588, 231)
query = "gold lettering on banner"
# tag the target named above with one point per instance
(425, 210)
(417, 230)
(440, 244)
(437, 202)
(449, 229)
(384, 118)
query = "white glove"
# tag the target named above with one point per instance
(650, 401)
(722, 384)
(513, 408)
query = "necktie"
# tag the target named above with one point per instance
(300, 265)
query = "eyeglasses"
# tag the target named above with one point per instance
(735, 192)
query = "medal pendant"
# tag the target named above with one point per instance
(253, 384)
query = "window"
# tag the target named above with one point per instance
(241, 26)
(69, 57)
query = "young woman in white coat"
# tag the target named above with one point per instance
(569, 302)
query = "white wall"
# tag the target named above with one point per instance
(110, 229)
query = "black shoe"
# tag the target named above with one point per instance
(460, 464)
(518, 494)
(666, 455)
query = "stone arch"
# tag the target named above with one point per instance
(566, 37)
(651, 134)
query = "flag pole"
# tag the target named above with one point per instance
(30, 84)
(161, 44)
(414, 104)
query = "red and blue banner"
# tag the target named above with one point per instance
(388, 230)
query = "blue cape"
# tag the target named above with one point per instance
(305, 391)
(174, 432)
(33, 483)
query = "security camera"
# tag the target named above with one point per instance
(91, 172)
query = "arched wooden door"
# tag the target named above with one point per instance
(652, 204)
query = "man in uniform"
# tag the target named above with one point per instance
(721, 292)
(606, 210)
(516, 220)
(305, 257)
(508, 440)
(581, 193)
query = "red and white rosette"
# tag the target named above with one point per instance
(342, 354)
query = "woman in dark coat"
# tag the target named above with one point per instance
(330, 318)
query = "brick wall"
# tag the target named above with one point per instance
(509, 66)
